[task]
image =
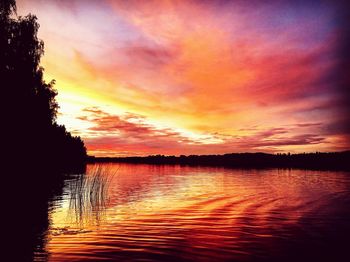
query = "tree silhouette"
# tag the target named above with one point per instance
(31, 108)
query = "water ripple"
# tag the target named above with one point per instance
(197, 214)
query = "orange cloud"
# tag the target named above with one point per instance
(206, 76)
(126, 134)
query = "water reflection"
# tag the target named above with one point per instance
(32, 196)
(88, 196)
(173, 213)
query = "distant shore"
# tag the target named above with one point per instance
(318, 160)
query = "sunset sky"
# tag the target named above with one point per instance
(197, 77)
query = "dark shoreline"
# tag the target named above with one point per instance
(321, 161)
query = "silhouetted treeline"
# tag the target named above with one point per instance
(336, 160)
(28, 103)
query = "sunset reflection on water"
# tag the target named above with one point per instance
(157, 213)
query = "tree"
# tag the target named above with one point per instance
(29, 104)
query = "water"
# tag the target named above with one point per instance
(171, 213)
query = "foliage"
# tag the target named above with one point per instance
(31, 107)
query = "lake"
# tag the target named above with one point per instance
(129, 212)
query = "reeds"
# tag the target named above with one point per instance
(89, 195)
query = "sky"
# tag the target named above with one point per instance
(142, 77)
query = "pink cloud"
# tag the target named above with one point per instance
(252, 75)
(131, 135)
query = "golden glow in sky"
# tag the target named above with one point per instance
(194, 77)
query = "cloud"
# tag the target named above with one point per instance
(130, 134)
(131, 128)
(200, 76)
(150, 56)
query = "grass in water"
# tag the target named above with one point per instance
(89, 195)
